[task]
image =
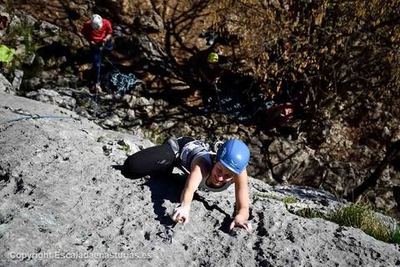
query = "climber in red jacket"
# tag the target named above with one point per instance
(98, 32)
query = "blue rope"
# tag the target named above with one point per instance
(35, 117)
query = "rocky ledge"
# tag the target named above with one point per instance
(65, 203)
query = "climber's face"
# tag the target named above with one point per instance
(220, 175)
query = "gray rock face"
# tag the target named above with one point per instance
(5, 85)
(53, 97)
(65, 204)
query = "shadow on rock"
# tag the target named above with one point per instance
(165, 186)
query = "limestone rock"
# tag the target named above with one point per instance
(63, 199)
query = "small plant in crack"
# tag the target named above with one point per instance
(289, 200)
(309, 213)
(125, 147)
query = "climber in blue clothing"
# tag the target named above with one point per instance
(206, 170)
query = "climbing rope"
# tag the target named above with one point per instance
(123, 82)
(35, 117)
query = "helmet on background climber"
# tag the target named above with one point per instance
(97, 22)
(213, 58)
(234, 155)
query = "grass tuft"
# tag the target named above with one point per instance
(125, 147)
(363, 217)
(310, 213)
(396, 235)
(289, 200)
(358, 216)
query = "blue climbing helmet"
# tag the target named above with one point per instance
(234, 155)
